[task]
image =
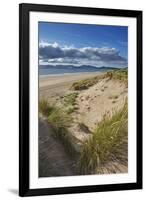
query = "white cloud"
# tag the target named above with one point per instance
(54, 53)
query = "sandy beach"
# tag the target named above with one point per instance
(58, 85)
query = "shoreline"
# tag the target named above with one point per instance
(55, 79)
(52, 87)
(67, 74)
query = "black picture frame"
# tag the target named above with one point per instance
(24, 10)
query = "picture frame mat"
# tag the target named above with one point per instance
(35, 181)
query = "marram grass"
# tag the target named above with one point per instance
(121, 75)
(109, 143)
(45, 108)
(59, 120)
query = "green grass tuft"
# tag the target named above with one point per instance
(60, 121)
(121, 74)
(70, 109)
(86, 83)
(70, 99)
(59, 118)
(45, 108)
(70, 102)
(109, 142)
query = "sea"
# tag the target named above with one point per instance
(66, 71)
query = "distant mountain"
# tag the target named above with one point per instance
(67, 69)
(77, 68)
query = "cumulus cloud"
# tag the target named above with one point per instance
(54, 53)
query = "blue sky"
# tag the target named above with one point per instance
(78, 44)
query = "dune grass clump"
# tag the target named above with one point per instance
(121, 75)
(60, 121)
(70, 99)
(70, 102)
(71, 109)
(45, 108)
(86, 83)
(109, 143)
(59, 118)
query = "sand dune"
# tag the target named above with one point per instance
(105, 96)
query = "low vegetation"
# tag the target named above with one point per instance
(121, 75)
(109, 143)
(59, 120)
(70, 102)
(86, 83)
(45, 108)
